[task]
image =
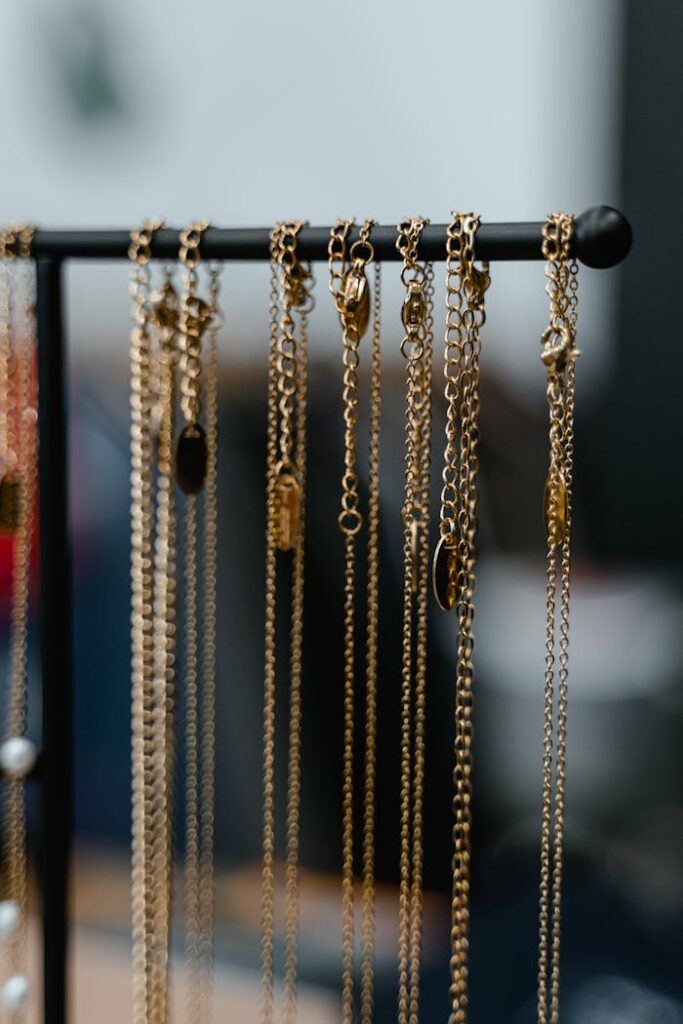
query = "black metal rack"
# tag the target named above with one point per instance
(602, 239)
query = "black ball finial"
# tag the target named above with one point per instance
(603, 237)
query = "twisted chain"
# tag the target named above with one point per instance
(558, 355)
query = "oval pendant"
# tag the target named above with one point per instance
(287, 506)
(445, 573)
(556, 526)
(191, 457)
(10, 503)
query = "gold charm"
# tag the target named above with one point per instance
(445, 573)
(165, 307)
(354, 300)
(11, 489)
(556, 525)
(414, 308)
(287, 509)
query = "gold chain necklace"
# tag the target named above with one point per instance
(196, 471)
(18, 452)
(153, 340)
(350, 289)
(416, 347)
(453, 571)
(368, 891)
(559, 354)
(285, 484)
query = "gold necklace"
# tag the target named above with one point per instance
(558, 354)
(371, 644)
(285, 484)
(453, 570)
(350, 289)
(152, 627)
(196, 471)
(18, 451)
(416, 347)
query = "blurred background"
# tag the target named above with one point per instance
(251, 113)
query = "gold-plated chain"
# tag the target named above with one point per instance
(285, 482)
(164, 315)
(453, 572)
(371, 648)
(196, 471)
(416, 347)
(18, 455)
(149, 895)
(349, 287)
(558, 355)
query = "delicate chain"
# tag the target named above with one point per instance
(350, 290)
(455, 557)
(164, 315)
(286, 477)
(18, 454)
(196, 454)
(368, 892)
(415, 952)
(295, 274)
(268, 856)
(416, 347)
(208, 711)
(558, 355)
(146, 1009)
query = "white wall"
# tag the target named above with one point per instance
(250, 112)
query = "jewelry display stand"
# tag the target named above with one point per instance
(602, 239)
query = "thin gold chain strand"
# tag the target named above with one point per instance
(558, 355)
(268, 855)
(368, 893)
(415, 946)
(208, 708)
(293, 282)
(350, 521)
(195, 317)
(465, 286)
(142, 666)
(413, 276)
(165, 316)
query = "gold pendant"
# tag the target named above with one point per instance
(354, 301)
(445, 573)
(11, 488)
(556, 526)
(287, 508)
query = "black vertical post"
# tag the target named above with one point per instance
(56, 639)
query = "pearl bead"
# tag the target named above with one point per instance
(9, 918)
(14, 992)
(17, 755)
(30, 414)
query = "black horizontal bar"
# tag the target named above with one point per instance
(602, 238)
